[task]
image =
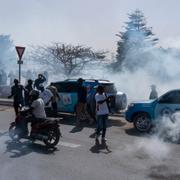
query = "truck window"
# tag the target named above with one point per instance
(66, 87)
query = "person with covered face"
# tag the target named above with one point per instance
(153, 94)
(17, 94)
(40, 80)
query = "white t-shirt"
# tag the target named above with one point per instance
(101, 109)
(46, 95)
(38, 110)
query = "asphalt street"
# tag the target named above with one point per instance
(127, 155)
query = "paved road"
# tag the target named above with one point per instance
(126, 156)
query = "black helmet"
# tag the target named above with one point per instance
(34, 94)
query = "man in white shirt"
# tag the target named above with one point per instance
(102, 112)
(37, 106)
(38, 109)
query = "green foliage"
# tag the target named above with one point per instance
(131, 46)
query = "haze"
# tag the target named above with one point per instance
(88, 22)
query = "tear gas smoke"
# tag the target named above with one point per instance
(168, 128)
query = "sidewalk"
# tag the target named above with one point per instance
(6, 102)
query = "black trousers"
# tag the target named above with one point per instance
(54, 107)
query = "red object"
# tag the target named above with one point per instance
(20, 51)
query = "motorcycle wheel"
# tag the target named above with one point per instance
(53, 138)
(13, 132)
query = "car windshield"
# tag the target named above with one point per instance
(109, 87)
(66, 87)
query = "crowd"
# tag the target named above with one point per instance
(39, 99)
(22, 95)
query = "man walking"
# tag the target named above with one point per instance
(102, 112)
(17, 94)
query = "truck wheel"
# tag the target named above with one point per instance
(142, 122)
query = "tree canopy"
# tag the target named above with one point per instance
(66, 58)
(132, 42)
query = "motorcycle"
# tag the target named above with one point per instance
(47, 131)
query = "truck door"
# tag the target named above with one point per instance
(168, 104)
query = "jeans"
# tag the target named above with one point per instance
(102, 124)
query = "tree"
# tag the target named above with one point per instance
(69, 58)
(134, 42)
(7, 52)
(7, 58)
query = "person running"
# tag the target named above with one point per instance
(102, 112)
(40, 80)
(17, 94)
(55, 98)
(28, 89)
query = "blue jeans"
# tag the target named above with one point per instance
(102, 124)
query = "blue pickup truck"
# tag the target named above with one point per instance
(145, 113)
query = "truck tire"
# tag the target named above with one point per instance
(142, 122)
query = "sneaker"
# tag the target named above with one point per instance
(97, 137)
(103, 139)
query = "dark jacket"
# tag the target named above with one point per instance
(82, 94)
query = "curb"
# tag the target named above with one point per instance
(6, 102)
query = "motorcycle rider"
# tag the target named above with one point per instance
(37, 111)
(37, 106)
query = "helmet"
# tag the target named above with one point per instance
(34, 94)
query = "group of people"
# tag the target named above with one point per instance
(102, 108)
(39, 98)
(24, 95)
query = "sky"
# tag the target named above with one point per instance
(91, 23)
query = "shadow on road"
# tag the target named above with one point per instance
(77, 129)
(118, 123)
(134, 132)
(18, 149)
(100, 148)
(93, 135)
(70, 119)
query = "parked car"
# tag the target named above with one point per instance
(68, 93)
(145, 114)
